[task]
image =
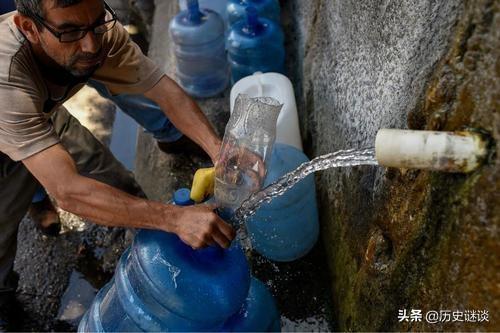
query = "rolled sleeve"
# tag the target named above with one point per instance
(24, 130)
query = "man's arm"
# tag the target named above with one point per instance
(54, 168)
(185, 114)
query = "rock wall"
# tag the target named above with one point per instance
(399, 239)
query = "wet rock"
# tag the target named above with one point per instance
(401, 239)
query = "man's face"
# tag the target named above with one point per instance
(82, 57)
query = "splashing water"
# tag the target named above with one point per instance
(175, 271)
(341, 158)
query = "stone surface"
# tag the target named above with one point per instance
(401, 240)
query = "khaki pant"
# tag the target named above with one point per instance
(17, 186)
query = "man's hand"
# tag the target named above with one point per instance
(198, 226)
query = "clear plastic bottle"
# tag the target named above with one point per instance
(255, 45)
(265, 8)
(198, 36)
(247, 145)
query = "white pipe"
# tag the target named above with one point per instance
(442, 151)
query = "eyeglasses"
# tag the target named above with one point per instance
(98, 28)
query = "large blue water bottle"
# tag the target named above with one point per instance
(286, 228)
(255, 45)
(161, 284)
(258, 314)
(198, 36)
(265, 8)
(7, 6)
(218, 6)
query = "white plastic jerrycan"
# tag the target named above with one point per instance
(279, 87)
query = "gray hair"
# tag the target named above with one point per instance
(35, 7)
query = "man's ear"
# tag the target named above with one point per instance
(27, 27)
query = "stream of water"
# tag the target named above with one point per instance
(341, 158)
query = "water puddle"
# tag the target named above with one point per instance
(76, 299)
(84, 283)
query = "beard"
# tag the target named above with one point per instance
(93, 60)
(73, 66)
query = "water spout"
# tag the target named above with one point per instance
(441, 151)
(431, 150)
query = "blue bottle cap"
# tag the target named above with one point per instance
(182, 197)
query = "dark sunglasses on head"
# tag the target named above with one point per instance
(77, 34)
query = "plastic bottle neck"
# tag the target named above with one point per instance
(194, 14)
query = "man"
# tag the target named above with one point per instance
(42, 211)
(48, 50)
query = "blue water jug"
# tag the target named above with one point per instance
(265, 8)
(258, 314)
(286, 228)
(161, 284)
(7, 6)
(114, 320)
(198, 37)
(255, 45)
(218, 6)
